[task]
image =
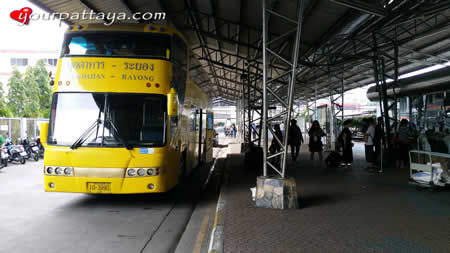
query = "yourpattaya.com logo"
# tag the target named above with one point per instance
(24, 15)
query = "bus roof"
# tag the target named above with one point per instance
(153, 28)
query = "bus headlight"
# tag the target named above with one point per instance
(150, 172)
(141, 172)
(49, 170)
(58, 171)
(131, 172)
(68, 171)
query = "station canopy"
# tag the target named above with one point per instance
(339, 40)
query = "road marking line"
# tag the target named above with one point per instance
(201, 235)
(216, 241)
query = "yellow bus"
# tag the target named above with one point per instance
(125, 117)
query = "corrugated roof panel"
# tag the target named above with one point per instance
(112, 8)
(74, 8)
(322, 19)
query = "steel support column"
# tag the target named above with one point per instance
(272, 92)
(249, 113)
(388, 104)
(336, 109)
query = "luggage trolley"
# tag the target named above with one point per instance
(429, 169)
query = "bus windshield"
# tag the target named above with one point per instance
(108, 120)
(116, 44)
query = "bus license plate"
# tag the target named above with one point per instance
(99, 187)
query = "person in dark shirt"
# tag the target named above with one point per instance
(378, 140)
(315, 142)
(233, 130)
(347, 145)
(275, 146)
(404, 137)
(295, 139)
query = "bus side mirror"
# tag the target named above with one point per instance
(44, 134)
(172, 106)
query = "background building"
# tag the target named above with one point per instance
(21, 59)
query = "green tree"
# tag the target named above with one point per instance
(41, 76)
(31, 101)
(16, 94)
(4, 111)
(29, 94)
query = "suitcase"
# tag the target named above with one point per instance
(254, 159)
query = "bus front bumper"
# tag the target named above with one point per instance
(104, 185)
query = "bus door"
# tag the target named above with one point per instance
(200, 136)
(209, 137)
(205, 135)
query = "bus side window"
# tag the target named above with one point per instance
(179, 59)
(153, 121)
(193, 118)
(210, 121)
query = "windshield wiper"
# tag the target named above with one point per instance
(86, 134)
(122, 141)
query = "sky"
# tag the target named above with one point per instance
(37, 35)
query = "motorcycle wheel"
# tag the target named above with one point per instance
(22, 160)
(36, 157)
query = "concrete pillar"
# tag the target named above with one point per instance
(23, 127)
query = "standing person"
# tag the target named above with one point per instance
(2, 145)
(403, 140)
(233, 130)
(315, 143)
(2, 141)
(347, 145)
(378, 141)
(368, 145)
(295, 139)
(254, 130)
(275, 146)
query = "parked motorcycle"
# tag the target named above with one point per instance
(16, 152)
(40, 146)
(31, 148)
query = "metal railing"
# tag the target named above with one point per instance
(15, 128)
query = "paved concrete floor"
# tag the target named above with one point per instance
(339, 212)
(197, 236)
(32, 220)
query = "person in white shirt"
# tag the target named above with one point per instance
(369, 144)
